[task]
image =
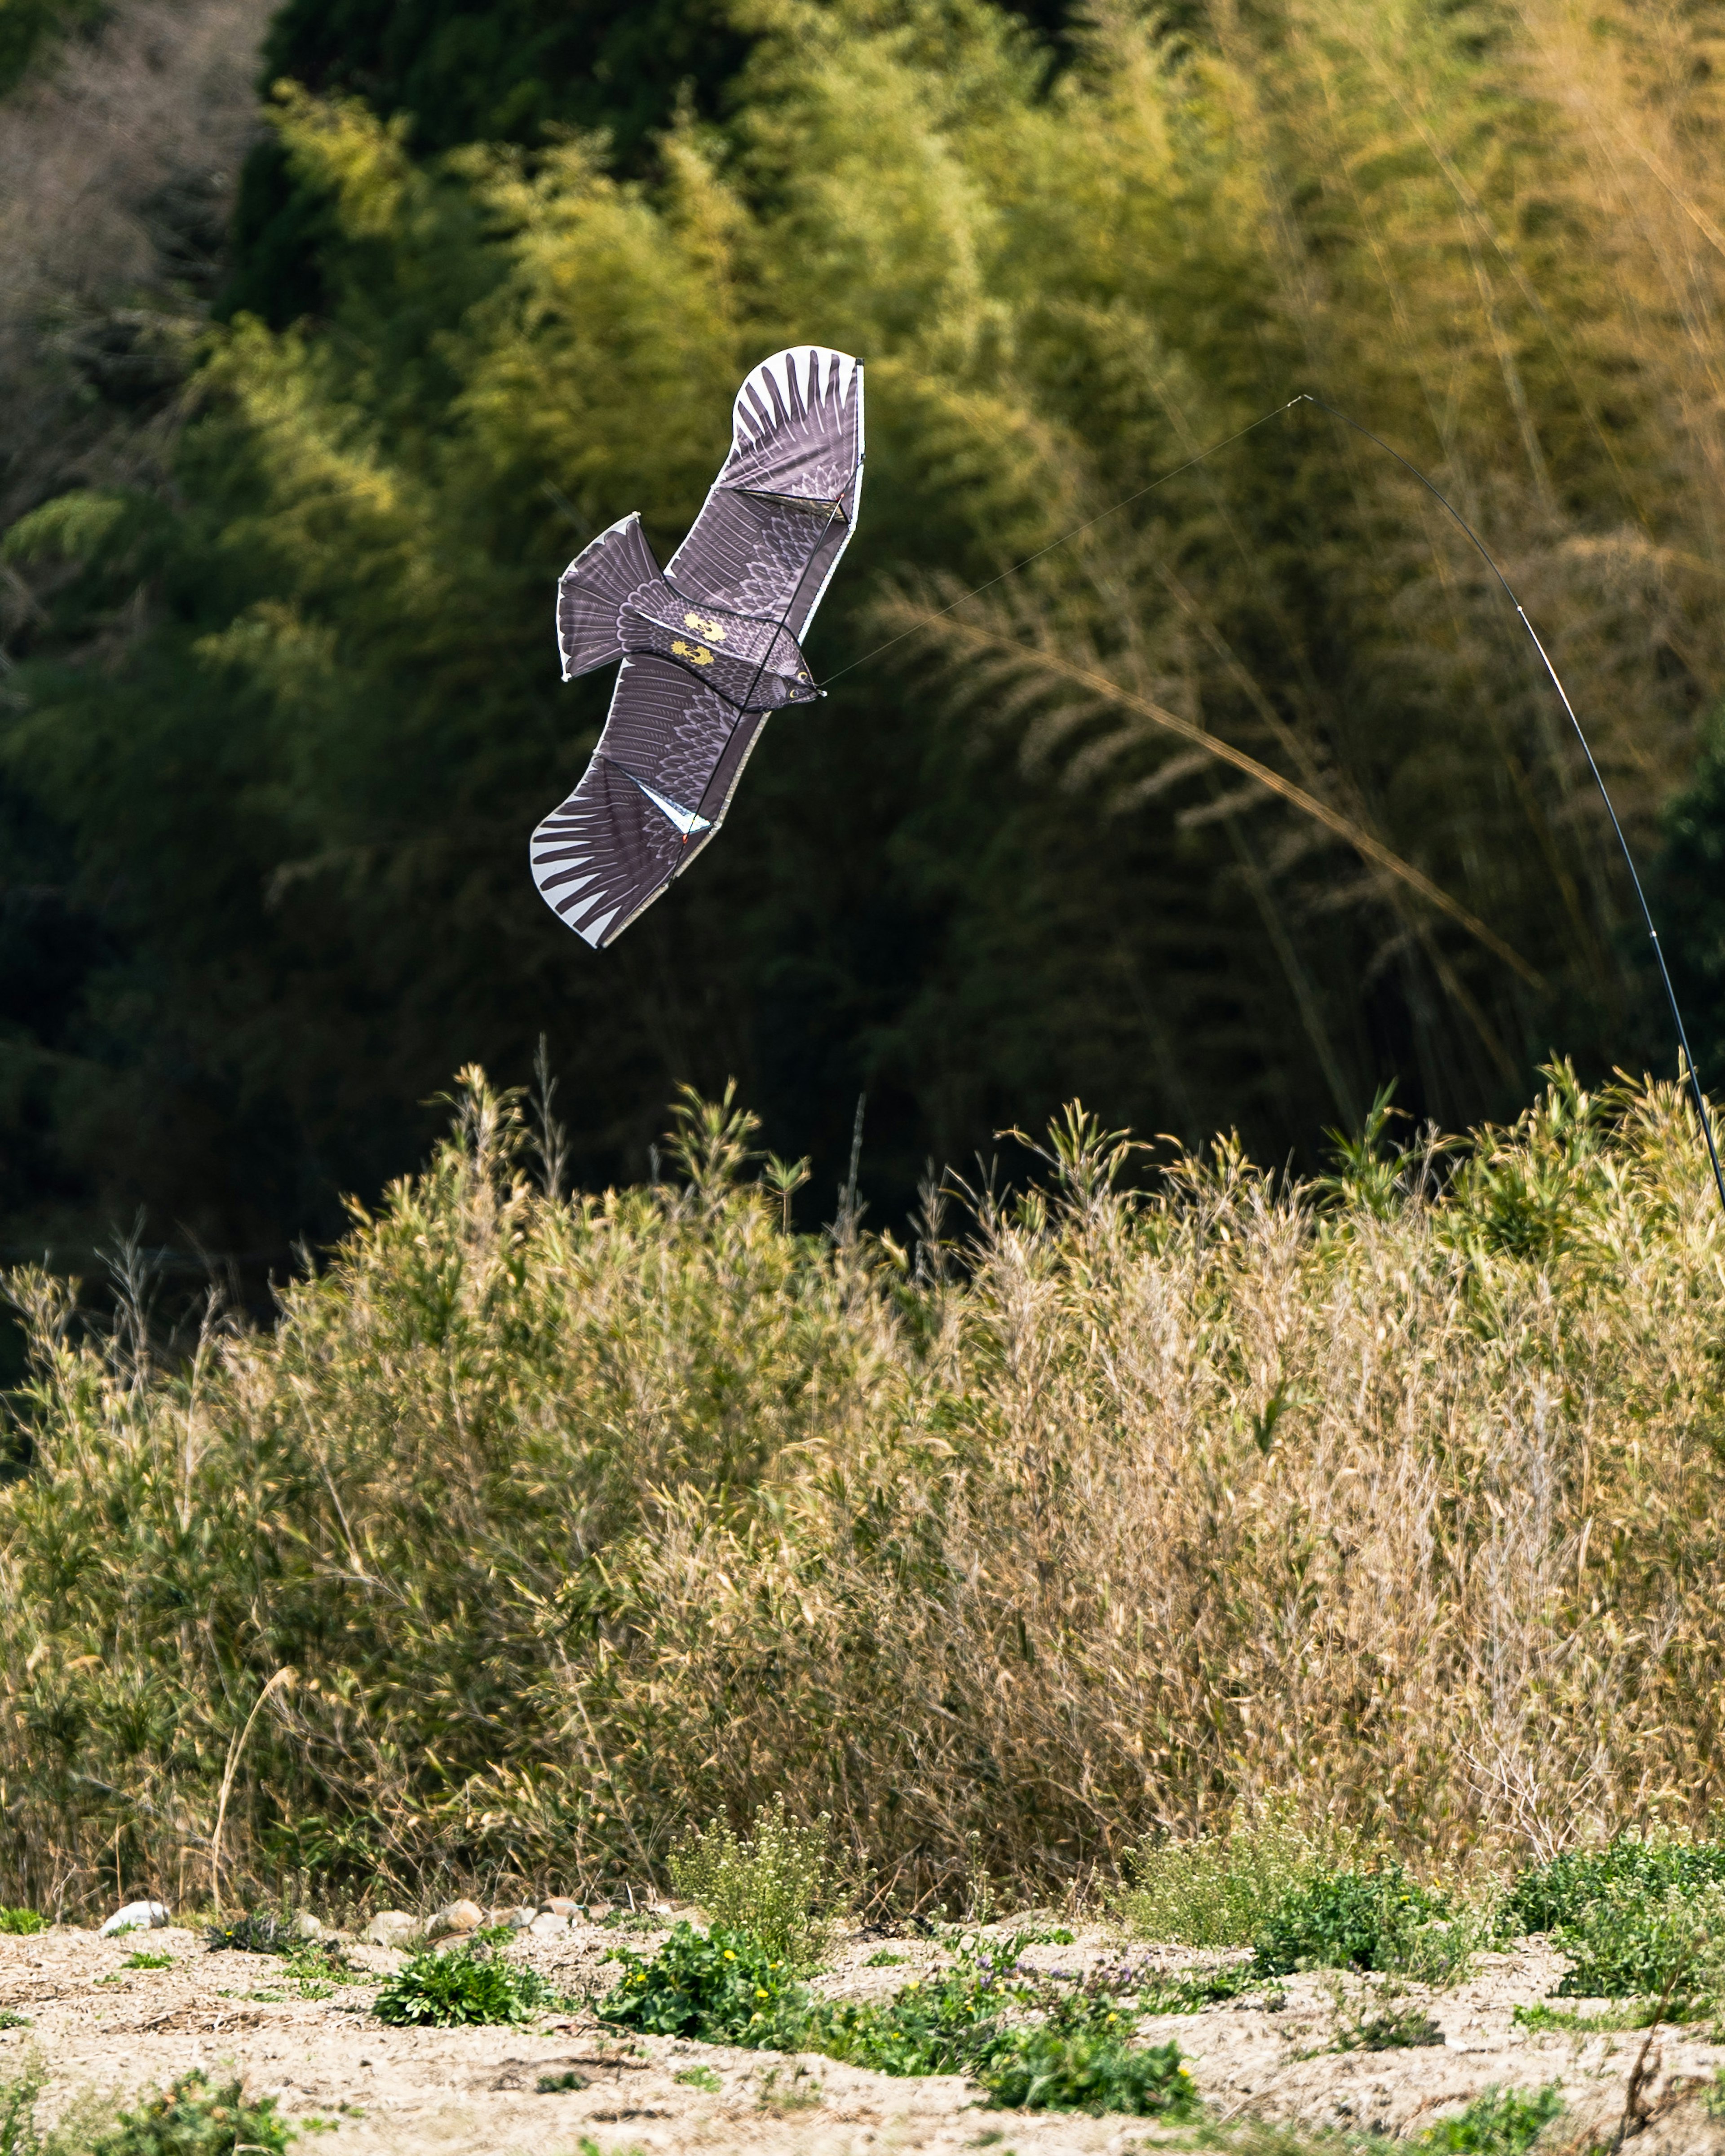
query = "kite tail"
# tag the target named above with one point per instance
(592, 590)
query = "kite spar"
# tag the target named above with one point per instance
(710, 645)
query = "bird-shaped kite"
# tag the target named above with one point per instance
(709, 646)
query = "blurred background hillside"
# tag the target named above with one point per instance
(328, 335)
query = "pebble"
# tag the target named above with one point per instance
(137, 1916)
(393, 1928)
(307, 1927)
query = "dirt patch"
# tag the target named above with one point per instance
(99, 2026)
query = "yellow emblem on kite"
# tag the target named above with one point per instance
(697, 652)
(714, 631)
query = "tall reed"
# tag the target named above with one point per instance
(1390, 1497)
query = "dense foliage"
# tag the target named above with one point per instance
(286, 704)
(582, 1521)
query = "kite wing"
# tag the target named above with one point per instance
(709, 648)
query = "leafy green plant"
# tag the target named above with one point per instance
(143, 1960)
(18, 2134)
(257, 1933)
(700, 2077)
(469, 1984)
(1217, 1890)
(1088, 2070)
(723, 1987)
(191, 2118)
(1380, 1919)
(782, 1884)
(884, 1957)
(1631, 1943)
(21, 1923)
(1560, 1893)
(8, 2020)
(569, 2079)
(1499, 2123)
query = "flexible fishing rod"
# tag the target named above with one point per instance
(1306, 397)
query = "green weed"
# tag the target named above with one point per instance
(143, 1960)
(1628, 1943)
(1548, 1896)
(700, 2077)
(191, 2118)
(720, 1986)
(21, 1923)
(1380, 1919)
(1091, 2070)
(1218, 1890)
(472, 1984)
(18, 2135)
(1500, 2123)
(782, 1884)
(558, 2084)
(974, 2019)
(8, 2020)
(886, 1959)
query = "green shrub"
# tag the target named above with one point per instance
(725, 1988)
(1629, 1944)
(953, 2023)
(781, 1885)
(1217, 1890)
(1641, 1917)
(148, 1961)
(722, 1987)
(1500, 2123)
(1088, 2070)
(20, 1924)
(700, 2077)
(191, 2118)
(472, 1984)
(1367, 1920)
(18, 2135)
(1560, 1893)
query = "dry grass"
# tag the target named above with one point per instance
(580, 1520)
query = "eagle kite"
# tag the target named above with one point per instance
(709, 646)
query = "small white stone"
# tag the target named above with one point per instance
(137, 1916)
(547, 1925)
(307, 1927)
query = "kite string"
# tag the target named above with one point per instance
(1437, 493)
(1306, 397)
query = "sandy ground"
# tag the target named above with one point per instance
(99, 2026)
